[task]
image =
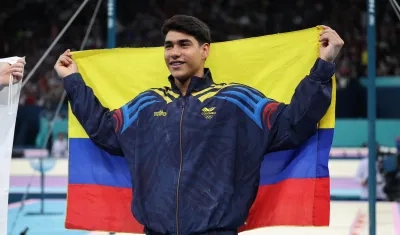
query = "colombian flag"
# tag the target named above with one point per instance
(294, 188)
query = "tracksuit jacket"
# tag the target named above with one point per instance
(195, 159)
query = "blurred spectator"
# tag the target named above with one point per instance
(60, 147)
(362, 179)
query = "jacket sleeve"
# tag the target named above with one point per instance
(293, 124)
(98, 121)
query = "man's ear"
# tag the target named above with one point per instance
(205, 51)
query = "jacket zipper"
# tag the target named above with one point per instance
(180, 167)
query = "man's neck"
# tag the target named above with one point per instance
(184, 85)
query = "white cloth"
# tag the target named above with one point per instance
(9, 99)
(362, 175)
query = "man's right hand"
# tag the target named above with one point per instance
(65, 65)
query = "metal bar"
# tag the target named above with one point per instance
(371, 40)
(46, 53)
(111, 32)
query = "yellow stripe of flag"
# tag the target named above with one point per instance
(273, 64)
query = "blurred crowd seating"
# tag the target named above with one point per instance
(30, 26)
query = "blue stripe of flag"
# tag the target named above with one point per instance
(88, 164)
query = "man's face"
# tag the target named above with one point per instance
(183, 55)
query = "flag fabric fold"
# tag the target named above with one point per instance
(294, 184)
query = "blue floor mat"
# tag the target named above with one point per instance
(51, 223)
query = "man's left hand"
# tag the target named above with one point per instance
(331, 44)
(16, 70)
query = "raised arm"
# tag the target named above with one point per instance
(293, 124)
(98, 121)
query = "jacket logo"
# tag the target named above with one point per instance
(208, 113)
(160, 114)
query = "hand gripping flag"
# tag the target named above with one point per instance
(294, 186)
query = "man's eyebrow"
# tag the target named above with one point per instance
(184, 40)
(168, 42)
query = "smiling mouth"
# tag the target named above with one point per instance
(176, 64)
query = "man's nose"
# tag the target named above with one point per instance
(175, 53)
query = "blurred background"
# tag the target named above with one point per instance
(28, 28)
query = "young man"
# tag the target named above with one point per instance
(196, 170)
